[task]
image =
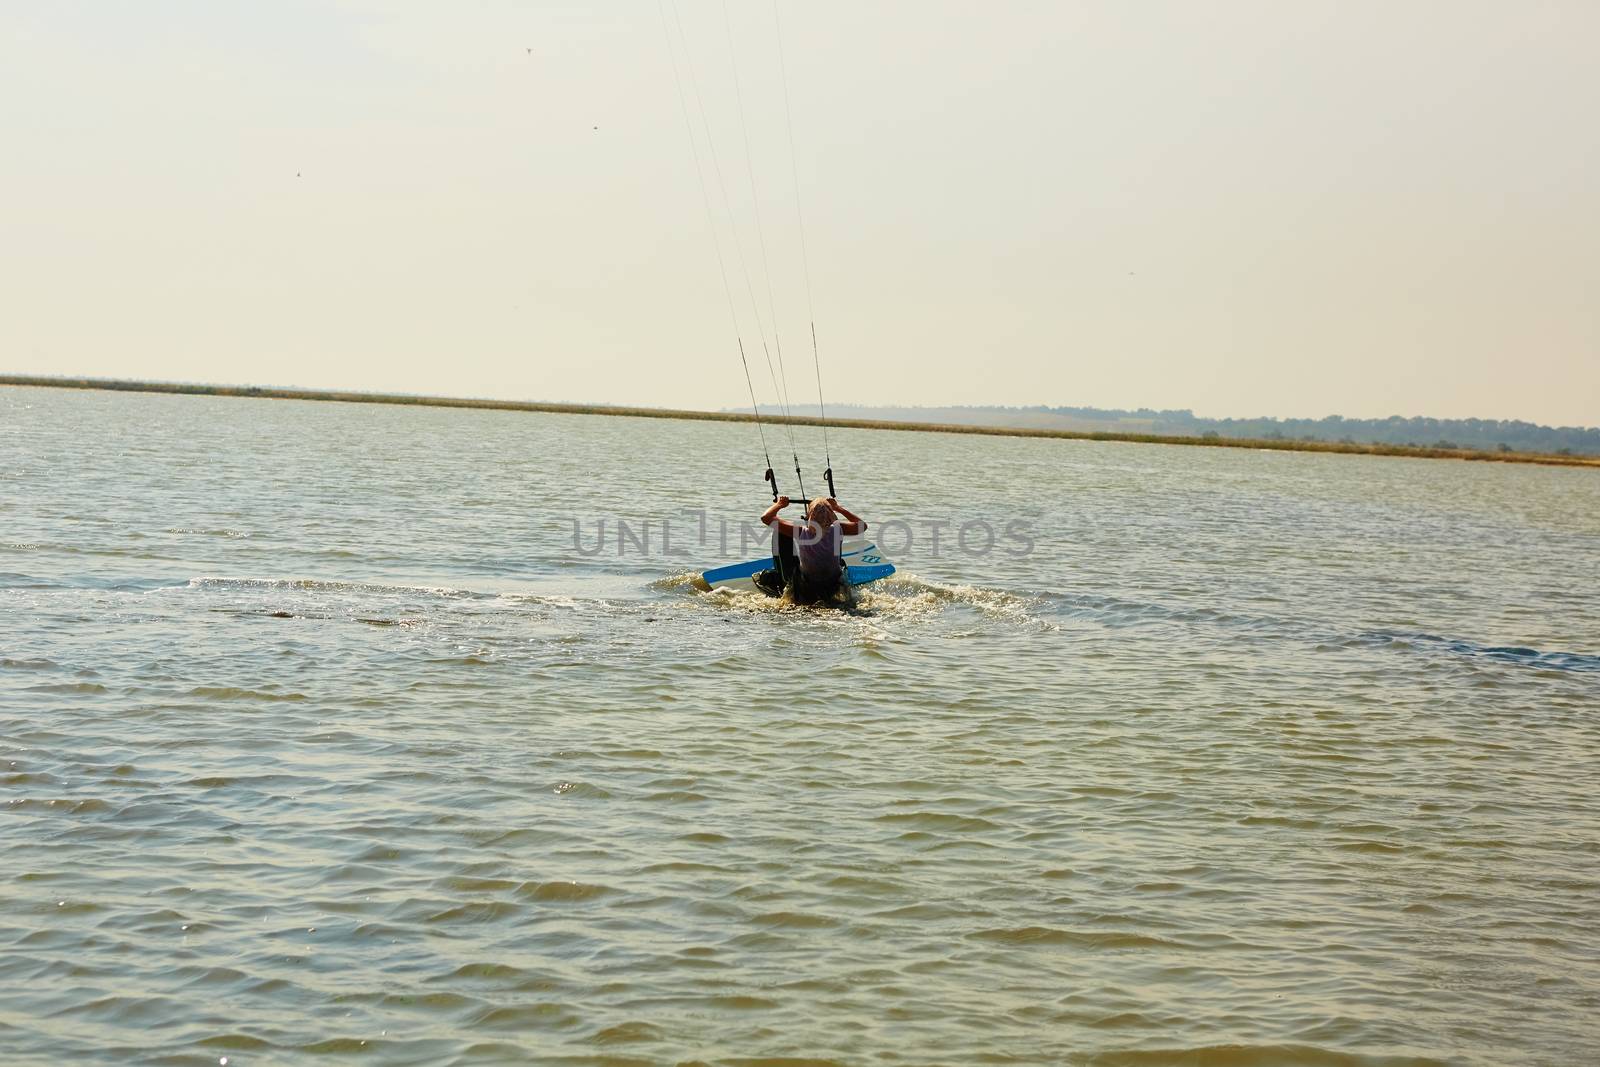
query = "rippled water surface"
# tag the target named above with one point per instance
(322, 739)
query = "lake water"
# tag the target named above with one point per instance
(322, 737)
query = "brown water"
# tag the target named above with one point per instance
(320, 739)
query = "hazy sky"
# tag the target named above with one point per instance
(1299, 208)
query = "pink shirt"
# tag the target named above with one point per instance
(818, 549)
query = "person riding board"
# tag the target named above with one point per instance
(817, 569)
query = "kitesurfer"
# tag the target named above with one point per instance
(812, 568)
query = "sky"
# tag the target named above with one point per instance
(1240, 207)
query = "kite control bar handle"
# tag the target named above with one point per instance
(772, 480)
(803, 501)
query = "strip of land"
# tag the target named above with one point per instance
(189, 389)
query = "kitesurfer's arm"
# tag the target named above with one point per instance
(770, 516)
(854, 524)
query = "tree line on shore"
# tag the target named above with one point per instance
(1503, 435)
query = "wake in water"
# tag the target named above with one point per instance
(907, 597)
(1517, 656)
(904, 596)
(315, 585)
(1118, 612)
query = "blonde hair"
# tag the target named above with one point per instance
(817, 511)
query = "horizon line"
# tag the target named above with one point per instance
(614, 410)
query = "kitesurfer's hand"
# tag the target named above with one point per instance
(854, 524)
(783, 502)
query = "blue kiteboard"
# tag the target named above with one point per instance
(863, 563)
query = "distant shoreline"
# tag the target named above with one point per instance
(262, 392)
